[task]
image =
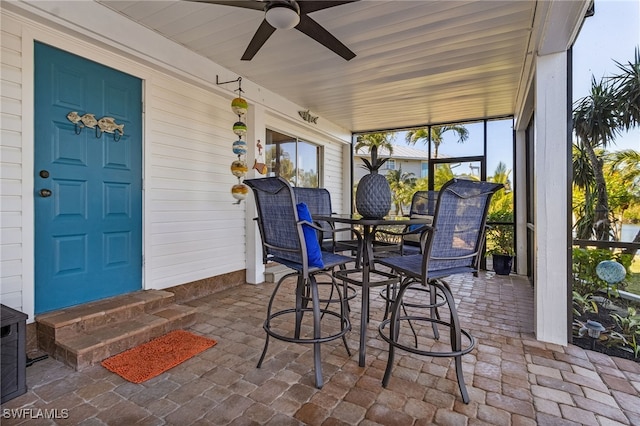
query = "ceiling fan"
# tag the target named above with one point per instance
(287, 14)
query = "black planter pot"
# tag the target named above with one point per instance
(502, 264)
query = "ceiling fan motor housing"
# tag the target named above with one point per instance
(282, 15)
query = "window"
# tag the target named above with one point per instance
(391, 164)
(424, 169)
(295, 160)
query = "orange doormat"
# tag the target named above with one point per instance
(157, 356)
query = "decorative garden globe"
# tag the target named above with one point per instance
(239, 147)
(239, 128)
(240, 191)
(239, 168)
(611, 271)
(239, 106)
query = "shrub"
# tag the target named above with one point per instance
(585, 261)
(500, 237)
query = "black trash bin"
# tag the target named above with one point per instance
(13, 353)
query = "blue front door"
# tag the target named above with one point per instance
(87, 183)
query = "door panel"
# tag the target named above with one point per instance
(89, 229)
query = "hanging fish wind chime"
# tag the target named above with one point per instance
(239, 167)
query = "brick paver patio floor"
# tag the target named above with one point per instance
(512, 378)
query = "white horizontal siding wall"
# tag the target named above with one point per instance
(11, 218)
(196, 230)
(192, 227)
(334, 163)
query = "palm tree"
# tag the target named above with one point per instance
(613, 104)
(374, 141)
(583, 195)
(503, 199)
(627, 88)
(401, 188)
(627, 161)
(622, 176)
(436, 135)
(501, 175)
(626, 164)
(596, 124)
(443, 174)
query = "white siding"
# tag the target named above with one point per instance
(193, 229)
(333, 167)
(11, 218)
(196, 230)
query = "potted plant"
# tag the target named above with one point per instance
(500, 241)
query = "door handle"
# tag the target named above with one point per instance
(45, 193)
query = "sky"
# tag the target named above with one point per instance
(611, 34)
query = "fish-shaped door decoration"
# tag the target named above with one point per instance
(81, 121)
(89, 120)
(105, 124)
(109, 125)
(75, 118)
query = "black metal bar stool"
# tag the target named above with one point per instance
(453, 246)
(289, 237)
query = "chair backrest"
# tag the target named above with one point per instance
(459, 221)
(318, 200)
(423, 203)
(277, 219)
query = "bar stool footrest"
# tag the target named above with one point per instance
(439, 354)
(439, 297)
(345, 327)
(377, 278)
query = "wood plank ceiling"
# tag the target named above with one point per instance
(418, 61)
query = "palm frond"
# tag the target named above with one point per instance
(627, 88)
(596, 117)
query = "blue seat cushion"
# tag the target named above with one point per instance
(427, 221)
(314, 253)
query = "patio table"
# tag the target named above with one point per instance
(367, 276)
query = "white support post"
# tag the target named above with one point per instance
(253, 253)
(551, 215)
(521, 202)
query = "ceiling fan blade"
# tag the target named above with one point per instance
(308, 6)
(246, 4)
(317, 32)
(259, 38)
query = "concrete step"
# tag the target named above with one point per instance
(273, 273)
(87, 334)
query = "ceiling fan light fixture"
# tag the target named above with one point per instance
(282, 17)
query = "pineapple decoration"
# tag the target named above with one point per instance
(373, 196)
(239, 167)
